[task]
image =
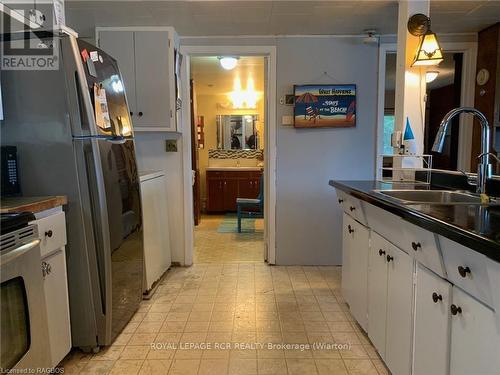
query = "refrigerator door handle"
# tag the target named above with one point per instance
(101, 233)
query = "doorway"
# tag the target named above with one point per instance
(231, 154)
(452, 86)
(227, 147)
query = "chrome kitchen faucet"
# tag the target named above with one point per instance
(484, 168)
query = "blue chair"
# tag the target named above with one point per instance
(251, 208)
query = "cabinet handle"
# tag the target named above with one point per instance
(389, 258)
(436, 297)
(140, 114)
(46, 269)
(340, 201)
(381, 252)
(48, 233)
(416, 245)
(455, 309)
(225, 182)
(352, 208)
(350, 229)
(463, 271)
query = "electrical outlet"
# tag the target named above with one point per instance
(171, 145)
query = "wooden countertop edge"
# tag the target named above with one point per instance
(37, 206)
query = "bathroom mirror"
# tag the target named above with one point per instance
(237, 132)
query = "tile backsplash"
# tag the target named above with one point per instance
(235, 154)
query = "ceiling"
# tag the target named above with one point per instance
(209, 18)
(211, 79)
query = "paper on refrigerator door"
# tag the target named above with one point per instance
(101, 108)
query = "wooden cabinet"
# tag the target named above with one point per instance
(475, 337)
(224, 187)
(146, 59)
(432, 324)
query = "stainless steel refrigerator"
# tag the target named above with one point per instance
(62, 150)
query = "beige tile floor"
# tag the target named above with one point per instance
(214, 247)
(246, 311)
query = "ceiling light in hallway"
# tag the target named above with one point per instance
(228, 62)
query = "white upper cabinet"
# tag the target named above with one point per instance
(146, 58)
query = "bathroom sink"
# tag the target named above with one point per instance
(433, 196)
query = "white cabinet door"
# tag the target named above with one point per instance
(153, 70)
(359, 273)
(377, 292)
(399, 311)
(347, 239)
(157, 257)
(120, 45)
(56, 299)
(475, 339)
(432, 324)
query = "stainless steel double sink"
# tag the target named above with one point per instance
(443, 197)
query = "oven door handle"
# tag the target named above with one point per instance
(18, 251)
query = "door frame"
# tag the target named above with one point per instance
(469, 51)
(269, 148)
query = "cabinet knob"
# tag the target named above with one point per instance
(131, 113)
(381, 252)
(352, 208)
(389, 258)
(455, 309)
(416, 245)
(436, 297)
(340, 201)
(463, 271)
(140, 114)
(46, 269)
(349, 228)
(48, 233)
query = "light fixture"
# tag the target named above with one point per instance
(429, 51)
(431, 75)
(228, 62)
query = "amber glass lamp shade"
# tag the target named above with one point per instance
(429, 51)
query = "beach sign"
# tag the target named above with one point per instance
(322, 106)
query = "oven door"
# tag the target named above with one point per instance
(24, 338)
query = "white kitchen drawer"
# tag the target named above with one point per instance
(385, 224)
(423, 245)
(353, 207)
(52, 232)
(467, 269)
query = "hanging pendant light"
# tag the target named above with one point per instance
(429, 51)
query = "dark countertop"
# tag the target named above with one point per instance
(474, 226)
